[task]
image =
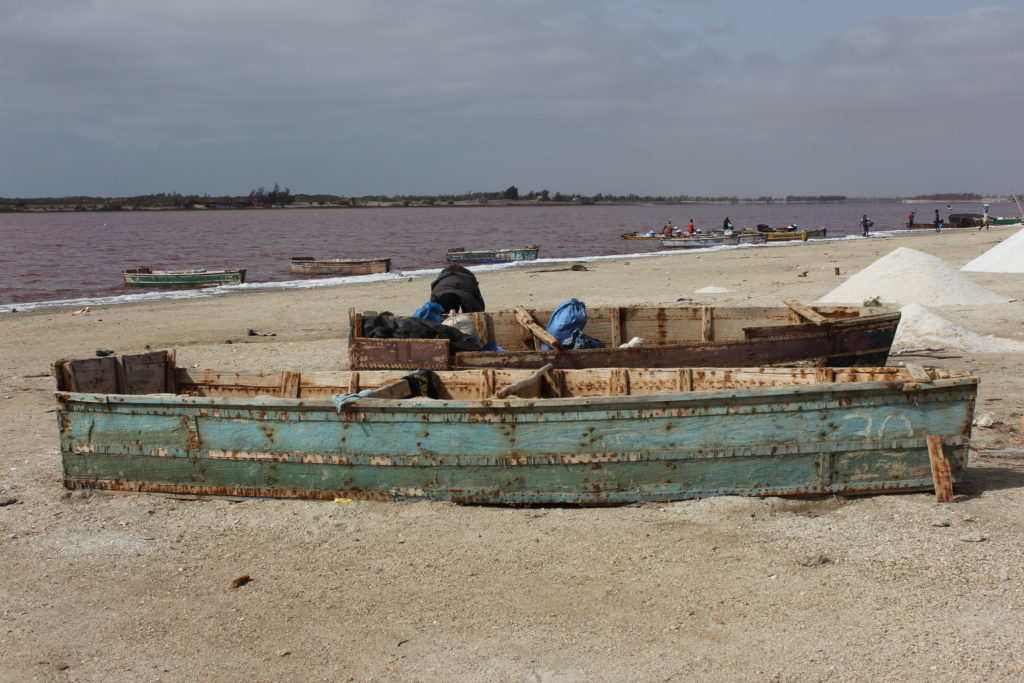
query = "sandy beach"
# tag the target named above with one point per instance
(131, 587)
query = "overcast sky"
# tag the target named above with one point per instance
(350, 97)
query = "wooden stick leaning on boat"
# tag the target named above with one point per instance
(531, 383)
(525, 318)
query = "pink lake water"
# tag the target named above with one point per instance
(78, 256)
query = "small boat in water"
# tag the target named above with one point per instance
(600, 436)
(147, 277)
(795, 235)
(650, 235)
(460, 255)
(314, 266)
(673, 336)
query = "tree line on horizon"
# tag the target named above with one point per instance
(281, 197)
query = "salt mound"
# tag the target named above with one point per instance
(906, 276)
(712, 290)
(1005, 257)
(920, 328)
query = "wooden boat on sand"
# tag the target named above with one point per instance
(599, 436)
(338, 267)
(147, 277)
(460, 255)
(672, 337)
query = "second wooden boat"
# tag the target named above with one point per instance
(148, 277)
(587, 437)
(341, 267)
(672, 337)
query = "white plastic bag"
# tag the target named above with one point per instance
(464, 325)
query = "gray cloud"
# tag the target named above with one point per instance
(121, 97)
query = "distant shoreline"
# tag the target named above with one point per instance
(99, 205)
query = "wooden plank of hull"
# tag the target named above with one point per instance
(811, 439)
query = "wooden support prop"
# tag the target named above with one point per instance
(684, 379)
(525, 318)
(487, 380)
(556, 381)
(171, 381)
(615, 320)
(941, 474)
(290, 384)
(824, 375)
(618, 382)
(707, 320)
(531, 382)
(805, 312)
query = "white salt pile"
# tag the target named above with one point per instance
(1005, 257)
(909, 276)
(921, 329)
(712, 290)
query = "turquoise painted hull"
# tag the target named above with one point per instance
(144, 277)
(827, 438)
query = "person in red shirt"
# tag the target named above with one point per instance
(689, 227)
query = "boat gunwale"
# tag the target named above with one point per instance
(635, 401)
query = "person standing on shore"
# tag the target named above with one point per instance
(985, 219)
(910, 219)
(937, 220)
(689, 227)
(865, 223)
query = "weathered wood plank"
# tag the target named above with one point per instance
(941, 472)
(143, 373)
(805, 311)
(615, 323)
(290, 383)
(707, 317)
(526, 320)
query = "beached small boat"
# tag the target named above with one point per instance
(314, 266)
(672, 336)
(147, 277)
(460, 255)
(600, 436)
(957, 220)
(702, 241)
(795, 235)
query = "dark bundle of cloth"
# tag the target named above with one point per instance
(456, 288)
(387, 326)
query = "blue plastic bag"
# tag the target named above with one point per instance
(432, 311)
(578, 340)
(569, 317)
